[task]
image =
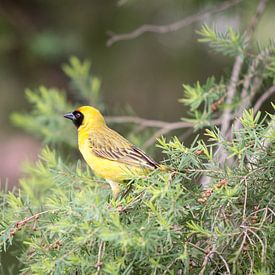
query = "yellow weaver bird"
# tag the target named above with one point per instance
(109, 155)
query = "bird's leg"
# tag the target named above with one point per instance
(115, 188)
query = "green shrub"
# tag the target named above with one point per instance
(203, 216)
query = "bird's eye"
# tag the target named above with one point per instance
(77, 115)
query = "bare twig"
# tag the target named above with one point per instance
(99, 256)
(245, 200)
(161, 132)
(246, 98)
(249, 33)
(164, 127)
(231, 91)
(20, 224)
(232, 87)
(205, 261)
(255, 20)
(225, 262)
(263, 98)
(251, 264)
(263, 244)
(261, 57)
(197, 247)
(244, 233)
(147, 122)
(239, 61)
(245, 103)
(173, 26)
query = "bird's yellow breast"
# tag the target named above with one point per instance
(104, 168)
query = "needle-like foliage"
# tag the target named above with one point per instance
(62, 220)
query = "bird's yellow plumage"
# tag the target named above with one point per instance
(110, 155)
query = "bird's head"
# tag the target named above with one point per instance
(86, 116)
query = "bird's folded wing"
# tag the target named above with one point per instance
(112, 146)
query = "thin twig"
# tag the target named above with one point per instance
(244, 233)
(173, 26)
(161, 132)
(257, 83)
(226, 116)
(262, 244)
(246, 98)
(148, 122)
(231, 91)
(238, 64)
(164, 127)
(235, 75)
(255, 20)
(205, 261)
(224, 261)
(260, 58)
(20, 224)
(197, 247)
(272, 212)
(245, 200)
(99, 256)
(251, 264)
(263, 98)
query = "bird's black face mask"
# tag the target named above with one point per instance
(76, 117)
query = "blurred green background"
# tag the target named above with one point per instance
(146, 73)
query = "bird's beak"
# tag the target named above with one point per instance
(70, 116)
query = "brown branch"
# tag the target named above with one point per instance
(145, 122)
(261, 57)
(244, 234)
(205, 261)
(263, 98)
(99, 257)
(245, 199)
(226, 116)
(231, 91)
(255, 20)
(246, 98)
(235, 75)
(163, 131)
(20, 224)
(225, 262)
(173, 26)
(164, 127)
(153, 123)
(263, 244)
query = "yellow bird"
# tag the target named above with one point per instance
(109, 155)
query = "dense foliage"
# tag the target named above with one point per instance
(200, 216)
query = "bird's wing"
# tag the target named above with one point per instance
(110, 145)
